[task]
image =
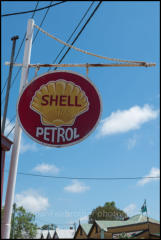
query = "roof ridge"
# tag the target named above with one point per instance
(109, 220)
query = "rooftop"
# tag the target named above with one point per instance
(65, 233)
(133, 220)
(86, 227)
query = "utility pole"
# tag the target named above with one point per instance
(9, 82)
(6, 223)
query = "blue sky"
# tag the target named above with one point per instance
(126, 141)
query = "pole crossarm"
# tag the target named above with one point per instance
(141, 64)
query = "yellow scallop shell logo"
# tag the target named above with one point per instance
(59, 103)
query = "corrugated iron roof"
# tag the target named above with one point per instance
(51, 232)
(141, 218)
(65, 233)
(44, 233)
(86, 227)
(133, 220)
(106, 224)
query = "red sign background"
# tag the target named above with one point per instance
(84, 123)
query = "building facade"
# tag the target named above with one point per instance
(136, 227)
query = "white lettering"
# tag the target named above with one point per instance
(39, 131)
(53, 134)
(46, 133)
(60, 133)
(70, 135)
(75, 134)
(49, 134)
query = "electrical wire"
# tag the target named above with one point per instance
(25, 33)
(11, 131)
(76, 36)
(23, 42)
(17, 72)
(84, 178)
(73, 33)
(11, 14)
(42, 22)
(33, 43)
(80, 32)
(18, 53)
(11, 121)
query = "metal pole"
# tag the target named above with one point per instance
(9, 82)
(6, 225)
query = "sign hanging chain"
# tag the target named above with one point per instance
(83, 51)
(37, 69)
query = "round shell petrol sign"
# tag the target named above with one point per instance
(59, 108)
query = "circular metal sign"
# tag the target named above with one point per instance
(59, 108)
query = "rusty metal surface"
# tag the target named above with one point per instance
(87, 65)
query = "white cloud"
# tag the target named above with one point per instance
(76, 187)
(84, 219)
(127, 120)
(46, 168)
(32, 201)
(25, 147)
(130, 209)
(132, 142)
(154, 172)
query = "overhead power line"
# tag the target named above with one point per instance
(92, 14)
(17, 71)
(69, 38)
(35, 10)
(73, 32)
(18, 53)
(42, 21)
(33, 43)
(85, 178)
(23, 42)
(11, 120)
(25, 33)
(11, 130)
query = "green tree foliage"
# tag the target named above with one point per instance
(49, 227)
(108, 212)
(22, 224)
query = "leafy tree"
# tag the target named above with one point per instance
(49, 227)
(108, 212)
(22, 224)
